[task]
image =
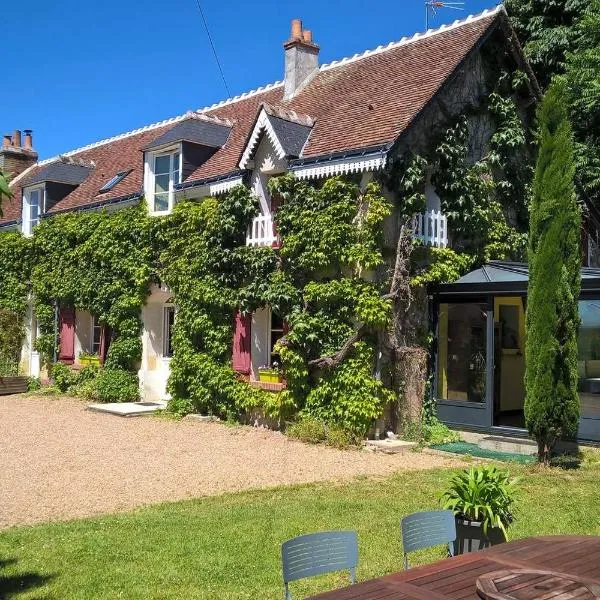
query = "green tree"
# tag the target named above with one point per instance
(583, 77)
(546, 30)
(552, 403)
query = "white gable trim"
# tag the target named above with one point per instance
(341, 166)
(263, 124)
(220, 187)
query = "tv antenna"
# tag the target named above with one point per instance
(432, 7)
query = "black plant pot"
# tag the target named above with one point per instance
(470, 536)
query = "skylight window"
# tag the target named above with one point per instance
(109, 185)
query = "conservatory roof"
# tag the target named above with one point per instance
(500, 277)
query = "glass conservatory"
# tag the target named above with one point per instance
(479, 349)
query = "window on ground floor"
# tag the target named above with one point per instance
(96, 337)
(168, 323)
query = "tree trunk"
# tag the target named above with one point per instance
(544, 450)
(411, 370)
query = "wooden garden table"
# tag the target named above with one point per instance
(576, 558)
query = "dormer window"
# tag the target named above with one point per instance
(33, 206)
(166, 174)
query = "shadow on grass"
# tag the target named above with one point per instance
(13, 585)
(568, 462)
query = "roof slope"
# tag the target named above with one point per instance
(364, 101)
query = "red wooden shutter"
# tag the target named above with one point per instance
(67, 336)
(104, 343)
(241, 343)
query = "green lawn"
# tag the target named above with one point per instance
(229, 546)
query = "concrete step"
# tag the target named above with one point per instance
(507, 444)
(128, 409)
(390, 446)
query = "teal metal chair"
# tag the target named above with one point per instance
(426, 529)
(317, 553)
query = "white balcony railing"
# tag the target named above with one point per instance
(261, 232)
(431, 227)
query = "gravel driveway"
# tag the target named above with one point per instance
(60, 461)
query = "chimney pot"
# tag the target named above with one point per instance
(6, 141)
(28, 139)
(296, 29)
(17, 138)
(307, 35)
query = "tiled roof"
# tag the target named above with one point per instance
(364, 101)
(61, 172)
(206, 132)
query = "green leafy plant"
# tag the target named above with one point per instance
(484, 494)
(314, 431)
(63, 377)
(308, 430)
(11, 339)
(116, 385)
(34, 384)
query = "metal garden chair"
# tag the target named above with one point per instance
(426, 529)
(318, 553)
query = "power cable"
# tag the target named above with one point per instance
(213, 47)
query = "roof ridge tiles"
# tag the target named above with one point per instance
(325, 67)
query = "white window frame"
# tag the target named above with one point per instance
(29, 224)
(95, 325)
(167, 308)
(150, 177)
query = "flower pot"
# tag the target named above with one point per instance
(89, 360)
(269, 376)
(470, 536)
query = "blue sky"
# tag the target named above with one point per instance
(77, 71)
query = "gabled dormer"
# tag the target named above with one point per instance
(287, 133)
(50, 185)
(277, 137)
(174, 155)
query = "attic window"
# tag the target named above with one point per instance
(109, 185)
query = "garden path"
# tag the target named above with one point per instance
(60, 461)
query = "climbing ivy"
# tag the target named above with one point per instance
(100, 262)
(485, 199)
(330, 280)
(16, 260)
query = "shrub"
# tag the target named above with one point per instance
(312, 431)
(34, 384)
(116, 385)
(88, 373)
(431, 432)
(340, 438)
(63, 376)
(180, 407)
(308, 430)
(485, 494)
(11, 339)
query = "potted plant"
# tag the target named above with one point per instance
(86, 358)
(482, 499)
(269, 374)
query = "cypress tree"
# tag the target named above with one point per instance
(552, 402)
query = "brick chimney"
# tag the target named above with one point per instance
(301, 60)
(14, 158)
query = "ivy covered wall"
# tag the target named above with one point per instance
(348, 279)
